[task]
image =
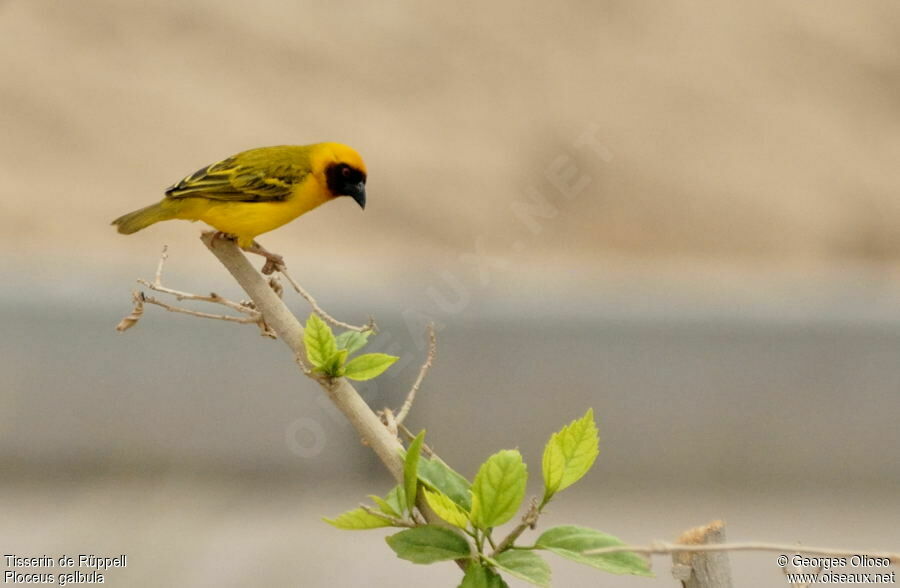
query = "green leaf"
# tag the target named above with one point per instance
(357, 520)
(569, 454)
(352, 341)
(396, 500)
(411, 470)
(445, 508)
(334, 367)
(478, 576)
(524, 565)
(368, 366)
(386, 507)
(428, 544)
(570, 541)
(498, 489)
(319, 341)
(440, 477)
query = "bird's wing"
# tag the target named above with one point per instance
(262, 175)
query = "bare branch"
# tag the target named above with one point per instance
(663, 548)
(411, 397)
(253, 316)
(246, 320)
(136, 312)
(214, 298)
(163, 256)
(370, 326)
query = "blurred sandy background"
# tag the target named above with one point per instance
(684, 215)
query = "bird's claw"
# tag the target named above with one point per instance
(274, 263)
(223, 236)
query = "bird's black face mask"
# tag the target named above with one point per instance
(345, 180)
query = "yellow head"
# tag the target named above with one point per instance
(341, 170)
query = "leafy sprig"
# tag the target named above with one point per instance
(474, 510)
(329, 354)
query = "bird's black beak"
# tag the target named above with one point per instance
(358, 193)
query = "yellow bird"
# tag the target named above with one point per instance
(255, 191)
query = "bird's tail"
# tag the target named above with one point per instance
(143, 218)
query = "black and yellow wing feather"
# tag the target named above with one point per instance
(252, 176)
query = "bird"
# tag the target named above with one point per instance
(258, 190)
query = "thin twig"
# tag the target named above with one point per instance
(253, 316)
(159, 266)
(529, 521)
(246, 320)
(394, 521)
(157, 286)
(213, 298)
(370, 326)
(491, 541)
(411, 397)
(427, 451)
(662, 548)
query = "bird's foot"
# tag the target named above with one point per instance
(223, 236)
(274, 262)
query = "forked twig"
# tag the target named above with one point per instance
(411, 397)
(370, 326)
(244, 320)
(157, 286)
(253, 316)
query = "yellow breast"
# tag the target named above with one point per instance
(246, 220)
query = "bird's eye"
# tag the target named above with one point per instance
(345, 171)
